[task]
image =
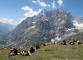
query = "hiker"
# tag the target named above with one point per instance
(11, 53)
(19, 51)
(22, 52)
(32, 50)
(78, 42)
(72, 41)
(37, 46)
(54, 43)
(44, 44)
(27, 53)
(63, 42)
(15, 51)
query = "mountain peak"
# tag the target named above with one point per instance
(79, 16)
(43, 11)
(61, 10)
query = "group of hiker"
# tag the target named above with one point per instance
(14, 51)
(71, 42)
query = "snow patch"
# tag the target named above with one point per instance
(63, 22)
(52, 40)
(78, 25)
(57, 38)
(33, 26)
(46, 19)
(33, 22)
(52, 30)
(70, 29)
(59, 19)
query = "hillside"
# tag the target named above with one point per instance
(50, 52)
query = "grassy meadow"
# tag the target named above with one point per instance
(50, 52)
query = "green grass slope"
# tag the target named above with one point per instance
(50, 52)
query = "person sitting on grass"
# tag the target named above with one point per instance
(22, 53)
(37, 46)
(27, 53)
(15, 51)
(63, 42)
(45, 44)
(11, 53)
(78, 42)
(19, 51)
(72, 41)
(32, 50)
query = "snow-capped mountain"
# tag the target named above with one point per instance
(44, 27)
(78, 22)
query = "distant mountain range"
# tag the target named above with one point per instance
(44, 27)
(5, 29)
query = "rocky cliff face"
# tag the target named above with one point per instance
(44, 27)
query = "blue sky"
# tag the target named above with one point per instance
(15, 11)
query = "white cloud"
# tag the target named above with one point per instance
(11, 21)
(30, 12)
(43, 4)
(8, 21)
(53, 4)
(60, 2)
(34, 1)
(27, 8)
(77, 25)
